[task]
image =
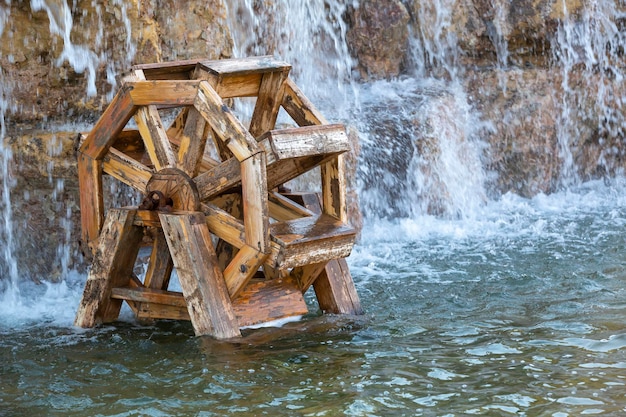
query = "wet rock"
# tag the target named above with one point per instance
(48, 77)
(378, 37)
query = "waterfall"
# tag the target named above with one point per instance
(10, 295)
(310, 35)
(588, 49)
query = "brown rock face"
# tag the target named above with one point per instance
(51, 78)
(378, 36)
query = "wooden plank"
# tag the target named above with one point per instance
(307, 141)
(282, 209)
(245, 66)
(110, 124)
(112, 267)
(219, 179)
(227, 127)
(149, 295)
(225, 226)
(299, 107)
(242, 268)
(334, 188)
(306, 275)
(204, 289)
(310, 240)
(335, 290)
(126, 169)
(260, 302)
(193, 142)
(265, 301)
(154, 137)
(255, 207)
(268, 102)
(91, 201)
(238, 85)
(160, 264)
(163, 92)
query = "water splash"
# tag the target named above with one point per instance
(310, 35)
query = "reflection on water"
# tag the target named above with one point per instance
(520, 311)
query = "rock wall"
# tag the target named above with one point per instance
(546, 76)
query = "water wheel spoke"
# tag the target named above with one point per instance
(155, 139)
(126, 169)
(224, 124)
(268, 102)
(192, 143)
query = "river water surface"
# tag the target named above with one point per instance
(518, 310)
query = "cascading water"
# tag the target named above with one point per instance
(588, 48)
(486, 306)
(9, 292)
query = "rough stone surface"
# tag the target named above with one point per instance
(378, 35)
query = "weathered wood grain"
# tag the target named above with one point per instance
(227, 127)
(242, 268)
(126, 169)
(154, 137)
(299, 107)
(202, 282)
(163, 92)
(268, 102)
(112, 267)
(255, 206)
(91, 201)
(110, 124)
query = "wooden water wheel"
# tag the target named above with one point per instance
(244, 252)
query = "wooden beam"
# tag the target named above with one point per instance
(110, 124)
(224, 226)
(206, 295)
(242, 268)
(126, 169)
(163, 92)
(154, 137)
(306, 275)
(299, 107)
(268, 102)
(192, 143)
(335, 290)
(91, 201)
(307, 141)
(219, 179)
(255, 206)
(160, 264)
(112, 267)
(227, 127)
